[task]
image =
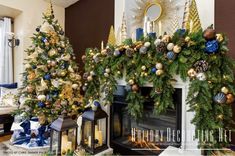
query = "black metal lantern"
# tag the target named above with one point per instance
(63, 136)
(94, 130)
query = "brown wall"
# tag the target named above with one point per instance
(225, 22)
(87, 23)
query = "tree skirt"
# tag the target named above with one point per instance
(7, 149)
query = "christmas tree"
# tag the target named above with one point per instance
(51, 82)
(194, 17)
(112, 38)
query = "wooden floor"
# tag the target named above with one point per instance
(5, 138)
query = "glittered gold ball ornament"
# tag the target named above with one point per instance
(192, 73)
(219, 37)
(166, 38)
(143, 67)
(177, 49)
(230, 98)
(131, 82)
(145, 74)
(52, 52)
(159, 72)
(159, 66)
(147, 44)
(106, 75)
(74, 107)
(224, 90)
(63, 73)
(53, 63)
(89, 78)
(61, 96)
(135, 88)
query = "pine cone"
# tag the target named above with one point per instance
(201, 66)
(162, 47)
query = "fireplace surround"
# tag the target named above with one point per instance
(187, 141)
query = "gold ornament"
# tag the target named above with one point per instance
(143, 67)
(30, 89)
(89, 78)
(219, 37)
(187, 39)
(166, 38)
(63, 73)
(112, 38)
(52, 52)
(192, 73)
(159, 66)
(224, 90)
(131, 82)
(230, 98)
(61, 96)
(220, 116)
(66, 57)
(177, 49)
(31, 75)
(135, 87)
(159, 72)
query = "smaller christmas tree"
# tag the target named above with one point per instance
(174, 24)
(185, 24)
(112, 38)
(194, 17)
(123, 29)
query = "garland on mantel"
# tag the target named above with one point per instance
(200, 57)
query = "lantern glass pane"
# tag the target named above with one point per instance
(100, 132)
(68, 141)
(55, 140)
(87, 133)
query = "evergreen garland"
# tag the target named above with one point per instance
(199, 57)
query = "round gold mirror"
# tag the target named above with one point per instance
(153, 11)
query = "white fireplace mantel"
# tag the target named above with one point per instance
(187, 128)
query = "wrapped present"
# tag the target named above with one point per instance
(29, 133)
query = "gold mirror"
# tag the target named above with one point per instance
(153, 11)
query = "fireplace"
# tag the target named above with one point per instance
(149, 135)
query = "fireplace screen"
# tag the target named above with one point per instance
(148, 135)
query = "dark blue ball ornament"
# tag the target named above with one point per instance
(44, 40)
(212, 46)
(47, 77)
(181, 32)
(64, 65)
(220, 98)
(34, 66)
(96, 103)
(153, 70)
(41, 104)
(170, 55)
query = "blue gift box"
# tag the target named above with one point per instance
(10, 86)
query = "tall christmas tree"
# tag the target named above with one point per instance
(194, 17)
(112, 38)
(51, 82)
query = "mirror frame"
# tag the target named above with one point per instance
(151, 4)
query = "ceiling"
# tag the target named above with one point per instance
(8, 12)
(63, 3)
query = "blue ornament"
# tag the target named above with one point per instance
(96, 103)
(34, 66)
(181, 32)
(41, 104)
(47, 77)
(220, 98)
(44, 39)
(64, 65)
(54, 93)
(153, 70)
(143, 50)
(170, 55)
(212, 46)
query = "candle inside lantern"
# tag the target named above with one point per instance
(69, 145)
(89, 141)
(100, 138)
(64, 142)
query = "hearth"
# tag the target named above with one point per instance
(146, 136)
